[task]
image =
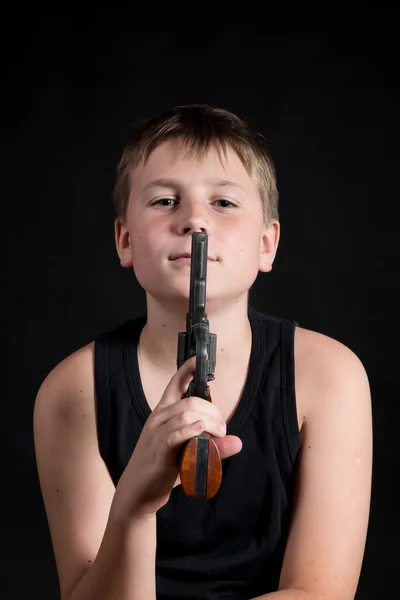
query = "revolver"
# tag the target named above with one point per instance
(200, 461)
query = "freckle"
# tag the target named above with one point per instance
(163, 324)
(47, 385)
(304, 418)
(309, 446)
(89, 561)
(57, 490)
(81, 390)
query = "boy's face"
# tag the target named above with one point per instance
(208, 195)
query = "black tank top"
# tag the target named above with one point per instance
(231, 546)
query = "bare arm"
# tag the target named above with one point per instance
(125, 564)
(290, 595)
(328, 531)
(104, 538)
(100, 554)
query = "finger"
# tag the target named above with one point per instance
(214, 427)
(178, 437)
(190, 408)
(179, 383)
(228, 445)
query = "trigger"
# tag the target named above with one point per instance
(209, 394)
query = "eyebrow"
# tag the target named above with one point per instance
(173, 183)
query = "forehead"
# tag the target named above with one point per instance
(171, 158)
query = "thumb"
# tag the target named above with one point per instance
(229, 445)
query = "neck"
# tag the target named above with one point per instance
(159, 338)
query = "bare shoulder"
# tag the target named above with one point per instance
(73, 374)
(76, 487)
(330, 516)
(322, 362)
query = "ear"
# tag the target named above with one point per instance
(269, 245)
(123, 243)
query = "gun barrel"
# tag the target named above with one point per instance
(198, 276)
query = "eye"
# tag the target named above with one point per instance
(227, 202)
(158, 202)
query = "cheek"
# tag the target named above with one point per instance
(142, 244)
(148, 254)
(244, 245)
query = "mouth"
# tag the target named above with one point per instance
(186, 257)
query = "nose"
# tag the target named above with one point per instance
(192, 218)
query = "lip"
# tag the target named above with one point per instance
(186, 260)
(187, 257)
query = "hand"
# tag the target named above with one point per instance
(146, 484)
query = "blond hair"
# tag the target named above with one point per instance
(199, 127)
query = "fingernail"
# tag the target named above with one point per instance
(223, 428)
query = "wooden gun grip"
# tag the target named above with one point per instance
(201, 467)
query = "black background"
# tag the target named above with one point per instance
(327, 103)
